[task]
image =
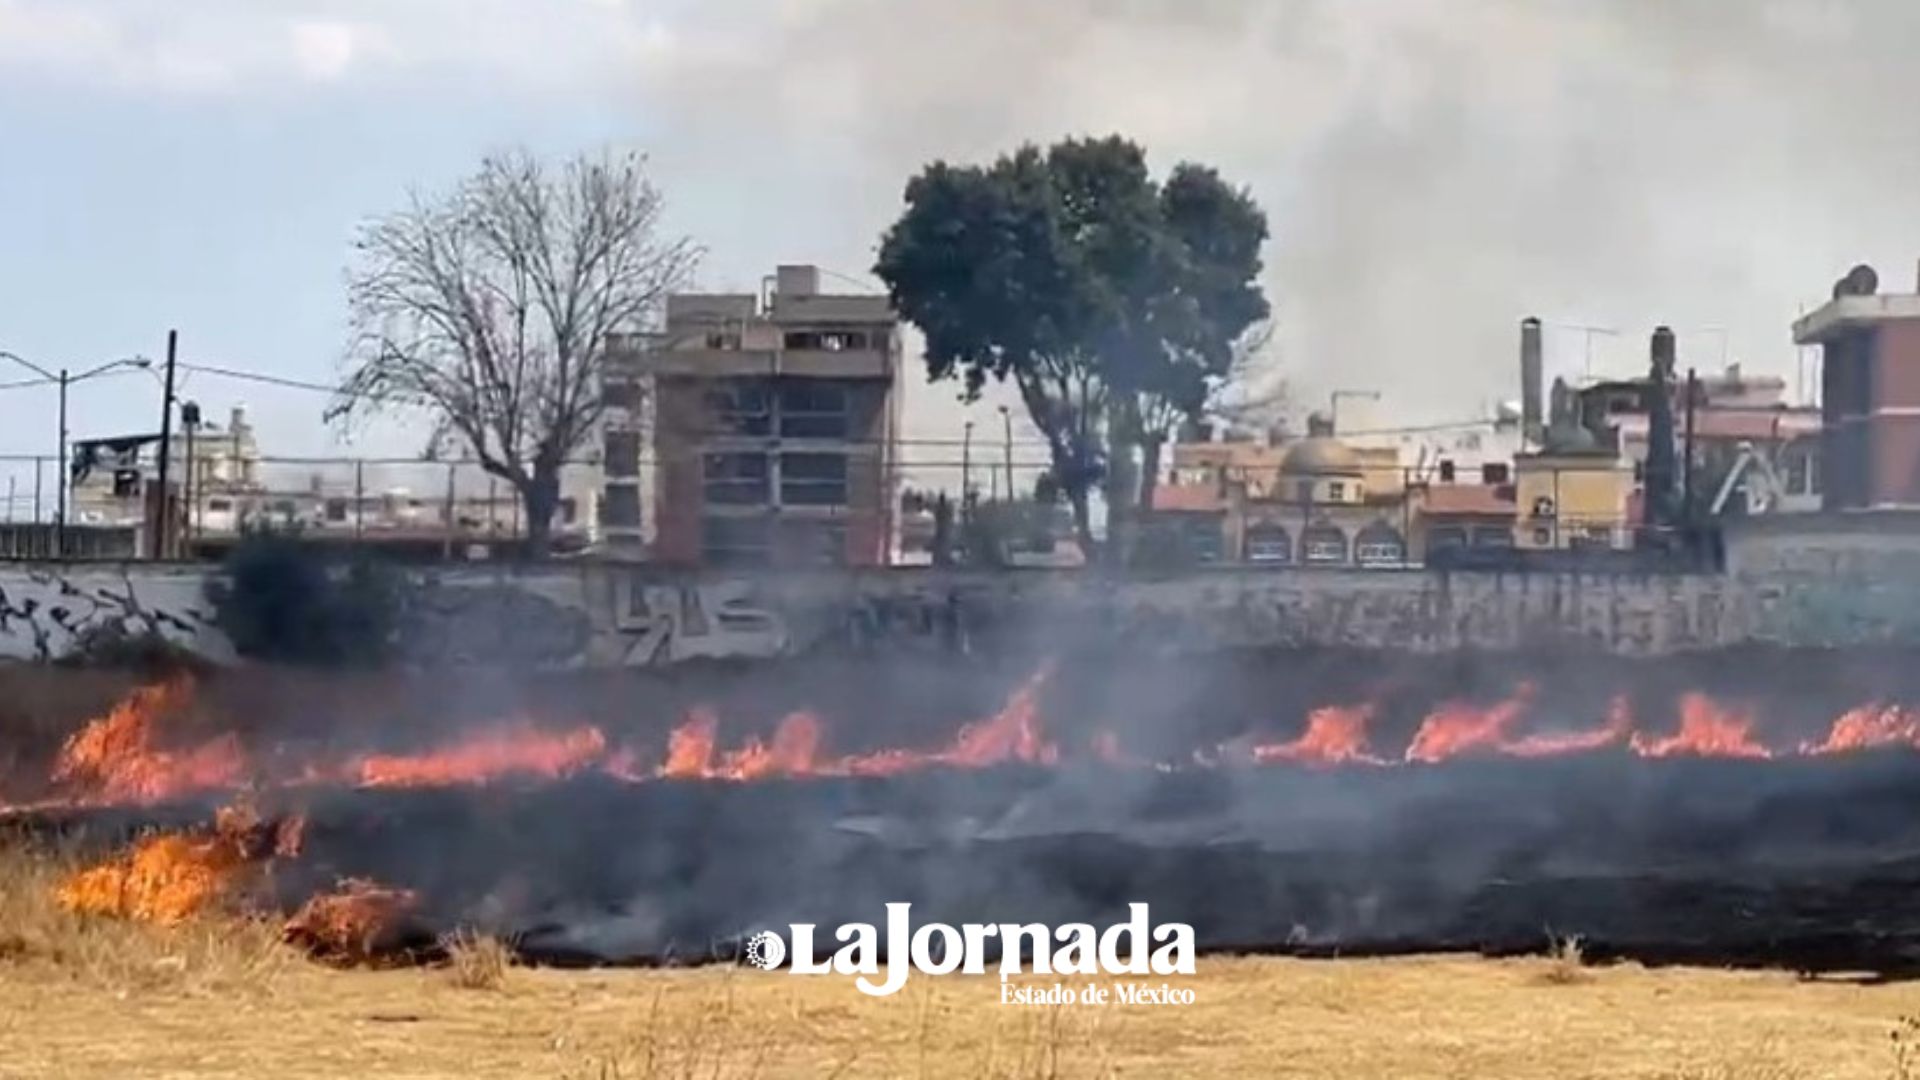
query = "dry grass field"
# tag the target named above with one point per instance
(91, 998)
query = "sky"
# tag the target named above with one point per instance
(1434, 170)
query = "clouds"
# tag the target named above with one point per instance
(235, 46)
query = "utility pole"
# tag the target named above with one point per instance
(966, 474)
(60, 511)
(1686, 473)
(163, 525)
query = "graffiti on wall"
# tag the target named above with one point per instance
(49, 614)
(670, 623)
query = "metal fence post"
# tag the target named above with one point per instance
(447, 513)
(359, 496)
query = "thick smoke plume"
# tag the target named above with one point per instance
(1435, 169)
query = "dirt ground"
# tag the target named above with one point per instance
(1405, 1019)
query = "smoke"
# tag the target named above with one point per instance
(1435, 169)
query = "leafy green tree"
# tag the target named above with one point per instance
(1114, 303)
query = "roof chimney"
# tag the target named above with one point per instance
(1663, 353)
(1532, 430)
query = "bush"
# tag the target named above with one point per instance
(283, 601)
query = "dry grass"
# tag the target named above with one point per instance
(207, 956)
(478, 961)
(92, 997)
(1566, 961)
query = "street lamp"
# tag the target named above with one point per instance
(65, 379)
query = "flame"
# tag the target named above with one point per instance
(1618, 728)
(356, 923)
(1458, 728)
(113, 758)
(172, 877)
(520, 750)
(1012, 734)
(1707, 729)
(1335, 735)
(795, 742)
(1868, 727)
(690, 747)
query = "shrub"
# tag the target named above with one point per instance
(280, 600)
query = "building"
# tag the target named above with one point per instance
(223, 487)
(1869, 394)
(1315, 502)
(762, 427)
(1577, 490)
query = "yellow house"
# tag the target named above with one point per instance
(1573, 497)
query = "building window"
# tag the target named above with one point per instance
(1446, 471)
(1202, 538)
(1494, 473)
(741, 407)
(737, 479)
(1493, 536)
(1323, 545)
(810, 409)
(621, 394)
(1543, 537)
(623, 453)
(336, 510)
(621, 507)
(219, 506)
(826, 340)
(813, 479)
(1269, 545)
(1379, 544)
(569, 511)
(729, 541)
(1336, 491)
(1441, 537)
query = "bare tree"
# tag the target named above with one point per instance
(491, 306)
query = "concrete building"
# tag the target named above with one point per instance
(1869, 394)
(223, 486)
(763, 429)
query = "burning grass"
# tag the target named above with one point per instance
(43, 934)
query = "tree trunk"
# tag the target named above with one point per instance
(540, 498)
(1082, 521)
(1149, 470)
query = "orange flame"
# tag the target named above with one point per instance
(356, 923)
(513, 751)
(169, 878)
(1335, 735)
(1868, 727)
(1707, 729)
(690, 747)
(1458, 728)
(1618, 728)
(795, 742)
(113, 758)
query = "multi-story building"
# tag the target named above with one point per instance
(762, 427)
(222, 486)
(1869, 394)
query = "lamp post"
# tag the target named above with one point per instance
(966, 474)
(1006, 419)
(65, 379)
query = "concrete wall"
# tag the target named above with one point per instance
(590, 615)
(1829, 579)
(1810, 580)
